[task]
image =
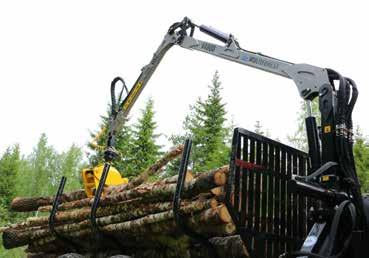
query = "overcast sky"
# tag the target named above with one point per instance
(57, 59)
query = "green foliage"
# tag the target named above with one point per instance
(361, 154)
(206, 126)
(135, 144)
(41, 171)
(9, 167)
(71, 167)
(146, 150)
(10, 164)
(12, 253)
(35, 175)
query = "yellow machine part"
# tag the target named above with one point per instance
(91, 178)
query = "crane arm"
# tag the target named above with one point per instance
(308, 78)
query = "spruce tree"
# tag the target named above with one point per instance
(146, 150)
(217, 134)
(206, 126)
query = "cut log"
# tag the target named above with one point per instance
(76, 215)
(203, 183)
(15, 238)
(218, 191)
(217, 216)
(163, 234)
(173, 179)
(76, 204)
(133, 208)
(156, 191)
(25, 204)
(143, 176)
(138, 216)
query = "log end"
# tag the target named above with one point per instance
(224, 214)
(24, 204)
(10, 239)
(220, 178)
(213, 203)
(230, 228)
(217, 191)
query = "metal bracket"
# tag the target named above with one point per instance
(95, 227)
(308, 79)
(70, 243)
(178, 216)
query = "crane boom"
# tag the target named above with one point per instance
(308, 78)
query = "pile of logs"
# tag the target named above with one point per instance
(134, 219)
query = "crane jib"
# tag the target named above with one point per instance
(132, 96)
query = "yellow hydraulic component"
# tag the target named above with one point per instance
(91, 178)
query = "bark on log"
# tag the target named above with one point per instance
(156, 191)
(131, 212)
(24, 204)
(15, 238)
(158, 235)
(76, 204)
(76, 215)
(133, 207)
(201, 184)
(173, 179)
(162, 234)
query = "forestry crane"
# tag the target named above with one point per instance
(332, 177)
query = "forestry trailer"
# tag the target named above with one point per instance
(284, 202)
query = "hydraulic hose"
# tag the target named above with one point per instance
(346, 98)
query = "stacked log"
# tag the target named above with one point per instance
(133, 219)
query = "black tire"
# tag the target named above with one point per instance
(120, 256)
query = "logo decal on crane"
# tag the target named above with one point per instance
(132, 96)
